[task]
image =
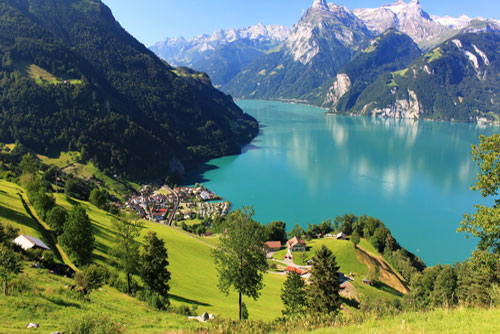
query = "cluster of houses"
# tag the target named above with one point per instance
(190, 194)
(155, 205)
(212, 210)
(298, 245)
(151, 205)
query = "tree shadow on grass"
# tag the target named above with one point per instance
(384, 287)
(47, 236)
(187, 301)
(61, 302)
(350, 302)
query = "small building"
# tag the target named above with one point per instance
(294, 270)
(366, 281)
(27, 242)
(158, 215)
(272, 245)
(341, 236)
(296, 245)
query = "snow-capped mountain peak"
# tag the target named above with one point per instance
(320, 4)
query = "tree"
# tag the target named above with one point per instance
(154, 263)
(78, 237)
(355, 239)
(297, 231)
(126, 248)
(484, 223)
(28, 164)
(276, 231)
(10, 266)
(444, 293)
(56, 218)
(240, 258)
(323, 292)
(44, 203)
(90, 278)
(98, 198)
(293, 295)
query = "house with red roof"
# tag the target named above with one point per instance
(272, 245)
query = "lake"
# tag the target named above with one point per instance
(306, 166)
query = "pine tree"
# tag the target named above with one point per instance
(323, 292)
(293, 295)
(154, 263)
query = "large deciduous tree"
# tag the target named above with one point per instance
(485, 223)
(78, 237)
(240, 258)
(323, 292)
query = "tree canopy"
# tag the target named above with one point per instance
(240, 257)
(323, 292)
(78, 237)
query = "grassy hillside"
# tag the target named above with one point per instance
(439, 321)
(194, 278)
(353, 260)
(46, 300)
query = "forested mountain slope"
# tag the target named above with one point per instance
(73, 79)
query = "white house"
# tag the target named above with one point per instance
(296, 245)
(28, 242)
(341, 236)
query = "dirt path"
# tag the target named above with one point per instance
(387, 275)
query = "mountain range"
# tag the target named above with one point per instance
(309, 62)
(224, 53)
(74, 79)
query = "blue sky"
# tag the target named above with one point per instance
(152, 20)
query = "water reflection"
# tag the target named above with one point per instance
(414, 175)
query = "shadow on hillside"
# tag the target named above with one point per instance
(197, 175)
(350, 302)
(60, 302)
(15, 216)
(188, 301)
(384, 287)
(46, 235)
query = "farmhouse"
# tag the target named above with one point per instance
(28, 242)
(341, 236)
(296, 245)
(272, 245)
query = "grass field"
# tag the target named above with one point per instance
(69, 163)
(440, 321)
(194, 278)
(348, 261)
(46, 301)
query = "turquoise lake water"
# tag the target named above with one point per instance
(305, 167)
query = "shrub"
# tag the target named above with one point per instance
(91, 324)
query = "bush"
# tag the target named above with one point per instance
(153, 299)
(91, 324)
